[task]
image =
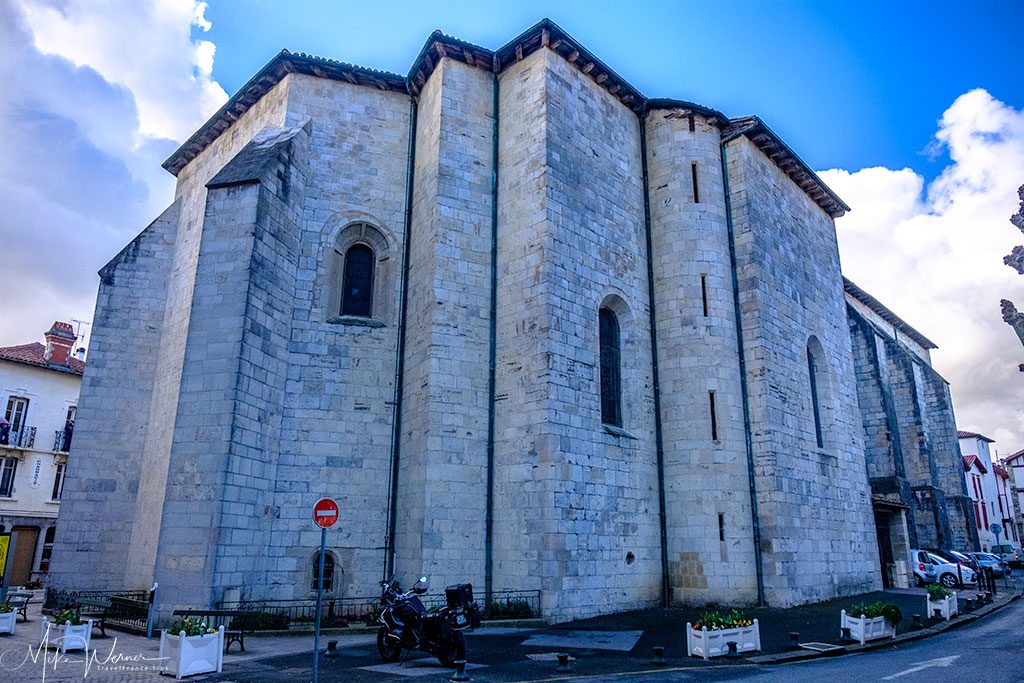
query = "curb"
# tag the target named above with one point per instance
(941, 627)
(369, 630)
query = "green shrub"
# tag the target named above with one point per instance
(714, 620)
(67, 615)
(872, 610)
(936, 591)
(260, 621)
(508, 609)
(5, 608)
(191, 626)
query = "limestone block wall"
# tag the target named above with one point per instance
(815, 511)
(583, 499)
(340, 388)
(709, 525)
(443, 468)
(103, 476)
(222, 468)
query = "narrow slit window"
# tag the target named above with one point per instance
(812, 371)
(328, 571)
(692, 126)
(611, 389)
(696, 191)
(721, 526)
(714, 416)
(357, 291)
(704, 293)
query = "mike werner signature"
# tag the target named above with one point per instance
(16, 659)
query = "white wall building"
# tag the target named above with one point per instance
(981, 484)
(1005, 504)
(1014, 465)
(38, 396)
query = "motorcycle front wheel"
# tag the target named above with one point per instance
(390, 649)
(453, 649)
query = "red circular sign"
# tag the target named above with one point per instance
(325, 513)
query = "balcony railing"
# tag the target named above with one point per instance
(25, 437)
(62, 441)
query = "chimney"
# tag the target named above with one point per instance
(80, 353)
(59, 340)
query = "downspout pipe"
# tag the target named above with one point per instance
(666, 587)
(396, 421)
(492, 350)
(744, 390)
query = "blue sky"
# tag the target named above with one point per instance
(847, 84)
(912, 112)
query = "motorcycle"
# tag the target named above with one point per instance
(407, 625)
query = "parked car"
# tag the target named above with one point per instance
(924, 570)
(1008, 552)
(952, 572)
(957, 556)
(989, 561)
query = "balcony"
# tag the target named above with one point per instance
(25, 437)
(62, 440)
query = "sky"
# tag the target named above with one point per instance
(912, 112)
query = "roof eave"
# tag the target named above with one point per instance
(883, 311)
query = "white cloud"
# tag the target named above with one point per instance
(96, 96)
(934, 255)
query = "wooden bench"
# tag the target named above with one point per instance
(97, 609)
(20, 602)
(218, 617)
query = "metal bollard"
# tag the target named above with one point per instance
(794, 640)
(332, 649)
(916, 621)
(460, 671)
(845, 631)
(733, 651)
(659, 657)
(563, 662)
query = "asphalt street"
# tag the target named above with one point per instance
(988, 651)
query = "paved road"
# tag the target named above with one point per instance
(989, 651)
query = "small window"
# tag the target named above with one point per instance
(8, 468)
(812, 372)
(704, 293)
(611, 389)
(328, 572)
(696, 190)
(58, 482)
(714, 416)
(357, 290)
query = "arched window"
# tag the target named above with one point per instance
(611, 381)
(328, 571)
(357, 290)
(812, 372)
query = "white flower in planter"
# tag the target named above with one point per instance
(863, 629)
(66, 636)
(704, 643)
(184, 655)
(944, 608)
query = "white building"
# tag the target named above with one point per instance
(39, 395)
(981, 484)
(1006, 506)
(1014, 465)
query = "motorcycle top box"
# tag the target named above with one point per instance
(459, 594)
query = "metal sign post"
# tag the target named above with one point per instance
(997, 529)
(325, 515)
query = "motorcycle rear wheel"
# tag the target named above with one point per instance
(390, 649)
(452, 650)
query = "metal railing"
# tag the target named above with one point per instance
(287, 614)
(125, 610)
(61, 441)
(23, 438)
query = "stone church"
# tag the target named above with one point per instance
(529, 327)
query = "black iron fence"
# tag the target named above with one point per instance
(123, 610)
(298, 614)
(24, 437)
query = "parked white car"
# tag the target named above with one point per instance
(951, 574)
(1008, 553)
(923, 568)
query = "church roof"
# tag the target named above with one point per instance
(961, 434)
(544, 34)
(34, 354)
(897, 322)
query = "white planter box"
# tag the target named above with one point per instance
(7, 621)
(863, 629)
(66, 637)
(947, 607)
(183, 655)
(708, 644)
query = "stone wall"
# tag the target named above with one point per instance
(817, 527)
(107, 468)
(709, 526)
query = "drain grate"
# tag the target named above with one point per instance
(821, 647)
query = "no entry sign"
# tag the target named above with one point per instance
(325, 513)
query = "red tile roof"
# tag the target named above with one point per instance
(1000, 471)
(961, 434)
(970, 460)
(33, 354)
